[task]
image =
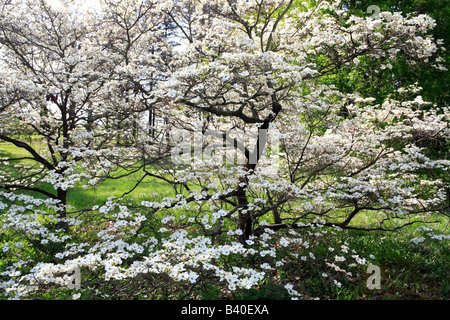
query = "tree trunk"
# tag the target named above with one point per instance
(151, 123)
(276, 216)
(62, 194)
(62, 212)
(245, 218)
(90, 120)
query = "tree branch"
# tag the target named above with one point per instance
(27, 147)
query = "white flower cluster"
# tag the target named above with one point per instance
(429, 234)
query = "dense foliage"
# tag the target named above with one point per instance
(279, 131)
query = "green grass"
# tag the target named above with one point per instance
(81, 199)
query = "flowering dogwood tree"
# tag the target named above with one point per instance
(236, 76)
(70, 94)
(70, 100)
(341, 154)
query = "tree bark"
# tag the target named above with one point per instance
(62, 211)
(252, 159)
(245, 218)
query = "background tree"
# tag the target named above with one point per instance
(394, 75)
(69, 93)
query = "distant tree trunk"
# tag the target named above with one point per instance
(135, 127)
(151, 122)
(90, 121)
(276, 216)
